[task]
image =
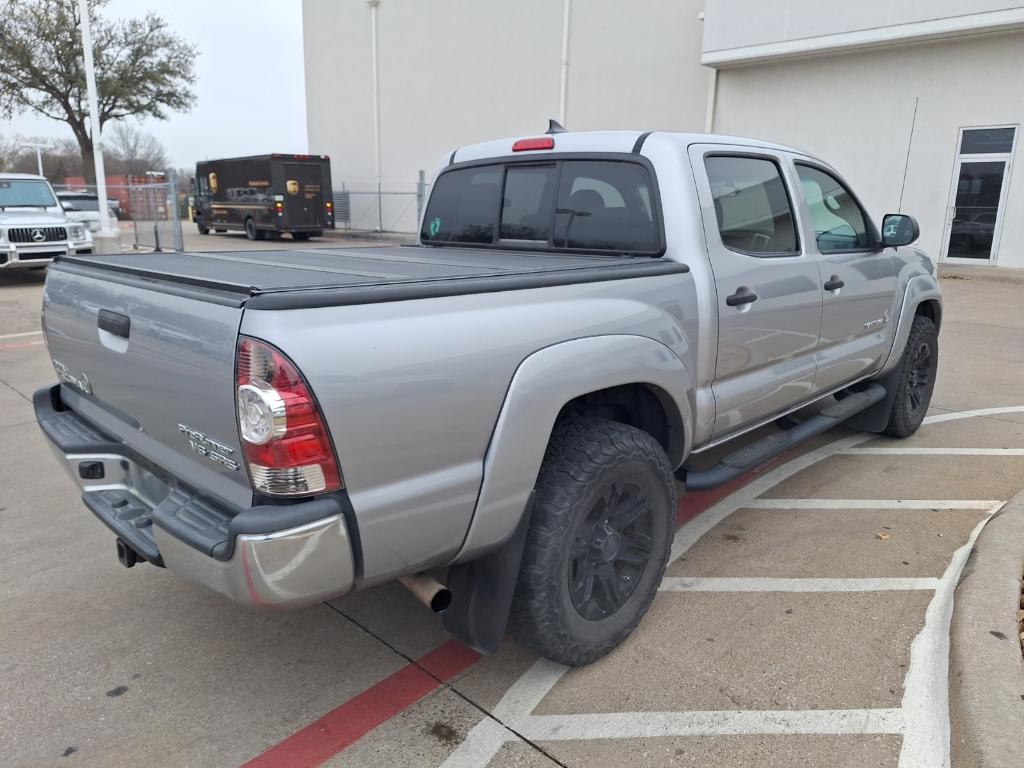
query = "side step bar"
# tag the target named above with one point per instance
(755, 454)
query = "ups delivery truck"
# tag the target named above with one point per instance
(264, 195)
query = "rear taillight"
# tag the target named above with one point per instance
(287, 445)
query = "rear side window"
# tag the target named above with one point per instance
(464, 206)
(751, 205)
(592, 205)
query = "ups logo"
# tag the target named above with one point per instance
(292, 186)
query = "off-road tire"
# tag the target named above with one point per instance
(908, 410)
(585, 459)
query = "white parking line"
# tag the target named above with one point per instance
(870, 504)
(633, 725)
(922, 719)
(485, 739)
(915, 451)
(20, 335)
(480, 745)
(529, 689)
(690, 533)
(702, 584)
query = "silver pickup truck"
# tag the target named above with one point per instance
(498, 415)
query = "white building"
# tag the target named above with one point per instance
(919, 105)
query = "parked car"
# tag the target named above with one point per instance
(498, 416)
(264, 195)
(34, 228)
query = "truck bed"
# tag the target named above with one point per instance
(287, 279)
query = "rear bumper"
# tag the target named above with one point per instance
(269, 556)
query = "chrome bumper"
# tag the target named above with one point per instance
(284, 569)
(298, 565)
(26, 256)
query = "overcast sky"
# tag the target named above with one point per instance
(250, 83)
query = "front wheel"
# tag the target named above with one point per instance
(598, 542)
(915, 381)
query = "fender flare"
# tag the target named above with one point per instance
(920, 288)
(542, 384)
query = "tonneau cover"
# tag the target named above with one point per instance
(361, 275)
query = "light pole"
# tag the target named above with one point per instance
(106, 232)
(376, 107)
(39, 154)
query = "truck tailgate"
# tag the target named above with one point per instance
(152, 367)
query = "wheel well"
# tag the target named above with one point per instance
(643, 406)
(932, 310)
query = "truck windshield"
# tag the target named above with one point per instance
(579, 204)
(25, 193)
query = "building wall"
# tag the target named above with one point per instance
(855, 110)
(455, 72)
(739, 29)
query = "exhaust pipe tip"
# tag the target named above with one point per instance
(441, 601)
(429, 591)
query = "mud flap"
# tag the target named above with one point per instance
(482, 591)
(876, 417)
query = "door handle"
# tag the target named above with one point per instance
(834, 284)
(740, 298)
(114, 322)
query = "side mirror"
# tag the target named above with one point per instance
(899, 229)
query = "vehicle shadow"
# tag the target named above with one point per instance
(21, 277)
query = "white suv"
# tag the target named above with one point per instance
(33, 226)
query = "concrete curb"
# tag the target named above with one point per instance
(986, 672)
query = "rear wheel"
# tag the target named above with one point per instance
(250, 230)
(598, 542)
(916, 379)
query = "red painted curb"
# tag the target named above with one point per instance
(20, 345)
(341, 727)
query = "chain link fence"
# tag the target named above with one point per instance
(387, 208)
(148, 214)
(156, 215)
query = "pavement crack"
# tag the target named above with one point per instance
(482, 710)
(15, 390)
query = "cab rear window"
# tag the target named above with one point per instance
(590, 205)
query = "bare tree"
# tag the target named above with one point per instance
(133, 152)
(61, 157)
(142, 69)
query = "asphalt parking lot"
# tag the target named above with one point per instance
(803, 620)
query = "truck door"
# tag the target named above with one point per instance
(304, 196)
(768, 287)
(858, 279)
